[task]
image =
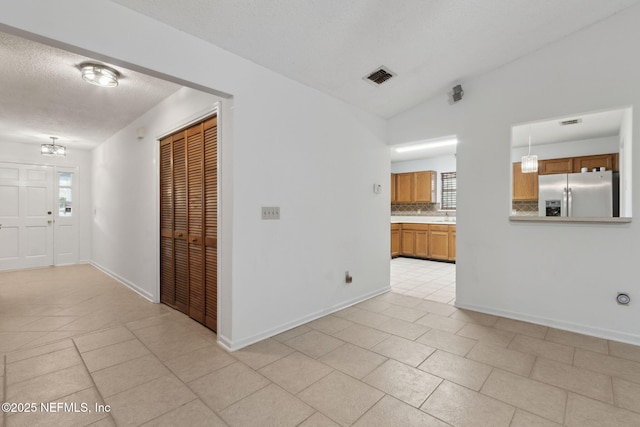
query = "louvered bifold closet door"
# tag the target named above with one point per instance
(189, 222)
(195, 167)
(167, 271)
(211, 222)
(181, 255)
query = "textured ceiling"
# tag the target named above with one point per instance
(332, 44)
(42, 94)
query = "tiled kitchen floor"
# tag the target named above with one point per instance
(432, 280)
(72, 334)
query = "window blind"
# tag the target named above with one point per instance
(448, 199)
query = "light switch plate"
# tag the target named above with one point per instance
(271, 212)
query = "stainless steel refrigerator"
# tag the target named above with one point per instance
(580, 195)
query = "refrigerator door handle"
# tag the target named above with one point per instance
(563, 207)
(570, 202)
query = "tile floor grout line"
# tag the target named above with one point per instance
(92, 381)
(198, 397)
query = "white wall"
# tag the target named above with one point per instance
(565, 275)
(125, 196)
(30, 153)
(283, 144)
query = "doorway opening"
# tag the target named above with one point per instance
(423, 219)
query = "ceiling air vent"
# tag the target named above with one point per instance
(570, 122)
(380, 76)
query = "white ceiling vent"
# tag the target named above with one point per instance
(380, 76)
(570, 122)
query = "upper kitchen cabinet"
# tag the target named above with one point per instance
(546, 167)
(414, 187)
(609, 161)
(404, 187)
(425, 186)
(394, 197)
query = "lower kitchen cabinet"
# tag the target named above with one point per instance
(415, 240)
(452, 243)
(439, 242)
(428, 241)
(395, 240)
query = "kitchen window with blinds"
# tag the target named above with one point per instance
(448, 199)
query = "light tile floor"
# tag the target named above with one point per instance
(73, 335)
(432, 280)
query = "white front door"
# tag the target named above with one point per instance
(26, 216)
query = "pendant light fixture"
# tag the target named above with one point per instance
(529, 162)
(53, 149)
(99, 75)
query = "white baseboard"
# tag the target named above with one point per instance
(558, 324)
(124, 281)
(231, 345)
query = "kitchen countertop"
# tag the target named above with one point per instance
(424, 220)
(529, 218)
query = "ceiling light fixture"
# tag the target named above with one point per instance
(426, 146)
(529, 162)
(99, 75)
(53, 149)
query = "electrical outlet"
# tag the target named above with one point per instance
(271, 212)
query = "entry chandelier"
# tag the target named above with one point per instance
(530, 161)
(53, 149)
(99, 75)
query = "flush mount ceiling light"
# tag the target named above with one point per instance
(53, 149)
(99, 75)
(426, 146)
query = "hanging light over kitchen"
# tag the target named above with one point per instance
(53, 149)
(530, 161)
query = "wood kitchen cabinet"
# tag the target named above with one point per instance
(575, 164)
(414, 187)
(404, 187)
(609, 161)
(424, 186)
(452, 243)
(395, 240)
(525, 185)
(393, 188)
(547, 167)
(415, 240)
(429, 241)
(439, 242)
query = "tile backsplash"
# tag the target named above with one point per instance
(419, 209)
(525, 208)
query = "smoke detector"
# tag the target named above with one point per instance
(379, 76)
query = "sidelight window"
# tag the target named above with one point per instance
(65, 194)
